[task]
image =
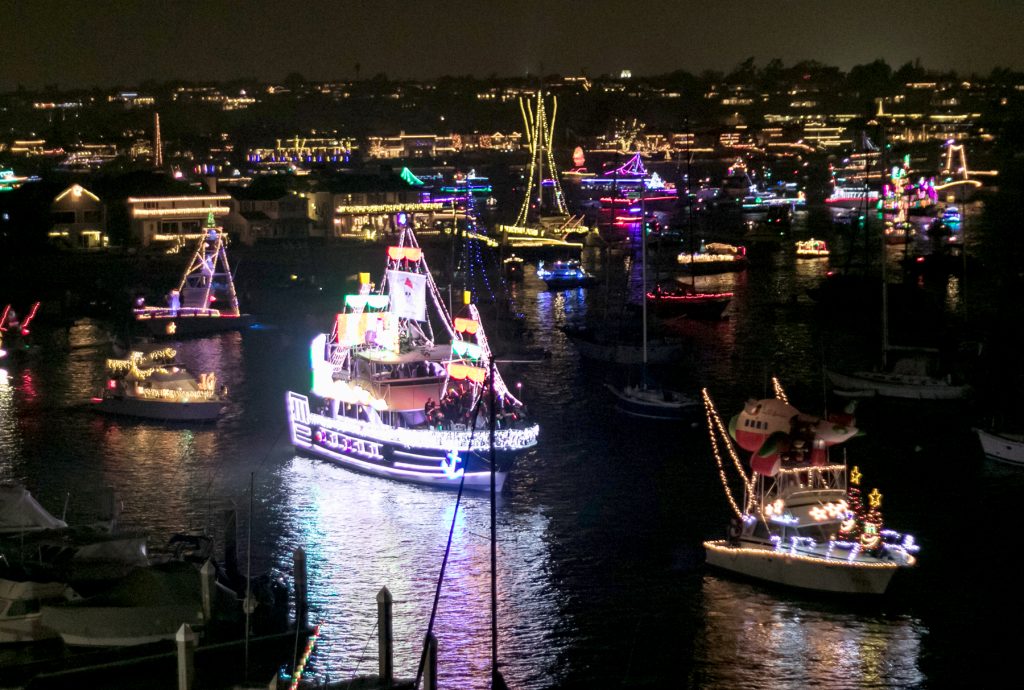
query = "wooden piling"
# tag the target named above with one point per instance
(430, 667)
(185, 640)
(385, 638)
(301, 589)
(208, 583)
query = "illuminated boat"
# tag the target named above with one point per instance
(713, 257)
(811, 249)
(680, 299)
(154, 386)
(15, 334)
(852, 196)
(389, 400)
(204, 301)
(801, 521)
(563, 275)
(1002, 446)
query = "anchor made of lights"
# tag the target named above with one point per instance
(451, 465)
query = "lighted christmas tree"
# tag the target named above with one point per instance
(852, 528)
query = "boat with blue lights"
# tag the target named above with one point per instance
(205, 300)
(390, 399)
(801, 520)
(564, 275)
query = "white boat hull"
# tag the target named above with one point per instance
(1000, 447)
(422, 456)
(781, 567)
(162, 409)
(898, 386)
(652, 403)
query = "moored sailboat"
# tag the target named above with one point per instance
(646, 400)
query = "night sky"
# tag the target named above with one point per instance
(110, 42)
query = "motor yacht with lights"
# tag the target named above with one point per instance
(204, 301)
(390, 400)
(713, 257)
(155, 386)
(564, 275)
(800, 520)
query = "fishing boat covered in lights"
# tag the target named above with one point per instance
(155, 386)
(205, 300)
(390, 400)
(801, 520)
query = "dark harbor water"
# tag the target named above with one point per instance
(601, 574)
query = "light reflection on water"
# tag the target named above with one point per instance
(361, 533)
(599, 529)
(751, 634)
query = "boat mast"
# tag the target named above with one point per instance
(643, 268)
(496, 681)
(689, 208)
(882, 260)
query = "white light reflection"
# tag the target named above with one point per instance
(361, 533)
(757, 638)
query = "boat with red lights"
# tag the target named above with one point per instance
(389, 399)
(801, 520)
(205, 300)
(155, 386)
(15, 332)
(683, 299)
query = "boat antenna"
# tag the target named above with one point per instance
(248, 577)
(689, 202)
(643, 268)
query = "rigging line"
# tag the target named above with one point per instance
(447, 552)
(362, 656)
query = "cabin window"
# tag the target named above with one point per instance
(23, 607)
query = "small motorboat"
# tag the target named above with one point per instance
(564, 275)
(1002, 446)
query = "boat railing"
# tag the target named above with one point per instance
(790, 482)
(440, 439)
(181, 312)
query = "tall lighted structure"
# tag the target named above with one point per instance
(158, 147)
(539, 135)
